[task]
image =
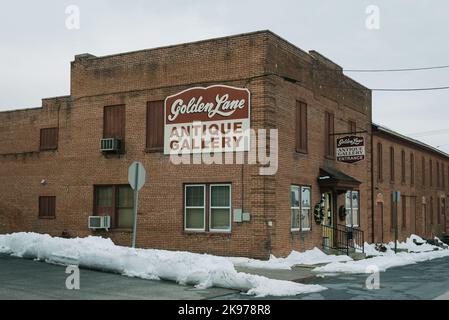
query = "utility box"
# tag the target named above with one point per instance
(238, 217)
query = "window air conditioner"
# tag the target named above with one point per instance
(99, 222)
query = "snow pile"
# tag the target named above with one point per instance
(96, 253)
(309, 257)
(384, 260)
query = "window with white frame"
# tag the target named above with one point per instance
(352, 208)
(195, 206)
(207, 210)
(300, 205)
(220, 207)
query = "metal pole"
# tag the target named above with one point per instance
(136, 201)
(396, 227)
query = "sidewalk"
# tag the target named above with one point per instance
(297, 274)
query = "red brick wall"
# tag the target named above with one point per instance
(260, 62)
(415, 194)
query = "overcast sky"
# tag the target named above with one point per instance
(36, 47)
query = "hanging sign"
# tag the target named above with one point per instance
(351, 149)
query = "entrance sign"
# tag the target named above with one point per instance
(136, 178)
(205, 120)
(351, 149)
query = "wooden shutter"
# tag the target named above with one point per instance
(49, 139)
(114, 122)
(155, 125)
(430, 172)
(412, 169)
(352, 127)
(329, 134)
(380, 174)
(403, 166)
(47, 207)
(392, 173)
(301, 127)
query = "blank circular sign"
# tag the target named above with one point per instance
(136, 175)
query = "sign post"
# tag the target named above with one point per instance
(396, 200)
(136, 179)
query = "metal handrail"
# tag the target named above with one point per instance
(343, 238)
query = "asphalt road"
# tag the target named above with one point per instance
(423, 281)
(27, 279)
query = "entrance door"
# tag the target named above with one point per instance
(379, 222)
(328, 236)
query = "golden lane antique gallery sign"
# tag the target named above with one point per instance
(205, 120)
(351, 149)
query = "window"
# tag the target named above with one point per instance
(217, 202)
(412, 169)
(114, 122)
(352, 127)
(329, 135)
(430, 172)
(301, 127)
(195, 207)
(116, 201)
(431, 211)
(220, 208)
(404, 211)
(380, 174)
(403, 166)
(300, 205)
(47, 207)
(443, 177)
(392, 173)
(352, 205)
(438, 174)
(155, 125)
(49, 139)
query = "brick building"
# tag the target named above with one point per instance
(421, 174)
(54, 175)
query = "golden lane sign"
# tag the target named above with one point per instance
(351, 149)
(206, 120)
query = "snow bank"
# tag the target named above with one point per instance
(309, 257)
(384, 260)
(203, 271)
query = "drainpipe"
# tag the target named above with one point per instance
(372, 186)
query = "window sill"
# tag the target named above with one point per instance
(48, 150)
(47, 218)
(154, 150)
(208, 233)
(301, 152)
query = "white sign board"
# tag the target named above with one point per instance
(206, 120)
(136, 176)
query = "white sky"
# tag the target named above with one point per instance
(36, 47)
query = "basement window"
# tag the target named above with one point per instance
(47, 207)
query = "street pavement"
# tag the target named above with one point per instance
(27, 279)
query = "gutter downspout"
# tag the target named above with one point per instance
(372, 186)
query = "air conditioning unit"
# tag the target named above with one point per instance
(99, 222)
(111, 145)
